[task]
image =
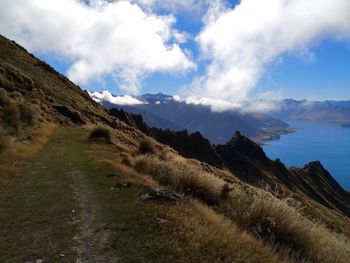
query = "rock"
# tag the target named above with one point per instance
(111, 175)
(123, 185)
(161, 221)
(145, 196)
(73, 116)
(39, 260)
(154, 193)
(61, 255)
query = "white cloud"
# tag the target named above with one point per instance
(119, 100)
(98, 38)
(261, 106)
(219, 105)
(240, 42)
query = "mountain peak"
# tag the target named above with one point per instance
(152, 98)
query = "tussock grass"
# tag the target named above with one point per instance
(16, 153)
(3, 97)
(282, 225)
(185, 232)
(15, 114)
(101, 134)
(146, 147)
(181, 176)
(205, 236)
(3, 143)
(11, 117)
(27, 114)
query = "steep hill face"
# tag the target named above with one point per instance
(248, 161)
(33, 93)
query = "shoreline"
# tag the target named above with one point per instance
(272, 136)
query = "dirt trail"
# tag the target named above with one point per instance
(49, 213)
(93, 238)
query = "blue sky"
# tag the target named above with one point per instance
(312, 62)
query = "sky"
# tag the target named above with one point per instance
(219, 53)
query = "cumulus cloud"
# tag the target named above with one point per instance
(119, 100)
(240, 42)
(220, 105)
(98, 37)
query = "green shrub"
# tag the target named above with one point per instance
(101, 134)
(146, 147)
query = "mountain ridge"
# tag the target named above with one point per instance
(258, 127)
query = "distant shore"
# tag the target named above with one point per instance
(272, 135)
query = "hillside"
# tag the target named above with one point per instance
(322, 111)
(80, 183)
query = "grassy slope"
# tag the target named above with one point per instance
(35, 220)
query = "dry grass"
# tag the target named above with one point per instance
(17, 153)
(17, 116)
(181, 176)
(101, 134)
(201, 235)
(280, 224)
(189, 231)
(3, 143)
(146, 147)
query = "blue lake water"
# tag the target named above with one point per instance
(328, 143)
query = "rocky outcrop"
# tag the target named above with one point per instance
(324, 184)
(189, 145)
(248, 161)
(73, 116)
(130, 119)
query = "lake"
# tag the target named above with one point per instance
(328, 143)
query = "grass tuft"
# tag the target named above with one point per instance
(11, 116)
(281, 225)
(101, 134)
(3, 143)
(146, 147)
(182, 176)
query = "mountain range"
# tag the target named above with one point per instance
(162, 111)
(319, 111)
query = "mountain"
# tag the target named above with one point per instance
(249, 163)
(218, 127)
(320, 111)
(151, 119)
(82, 183)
